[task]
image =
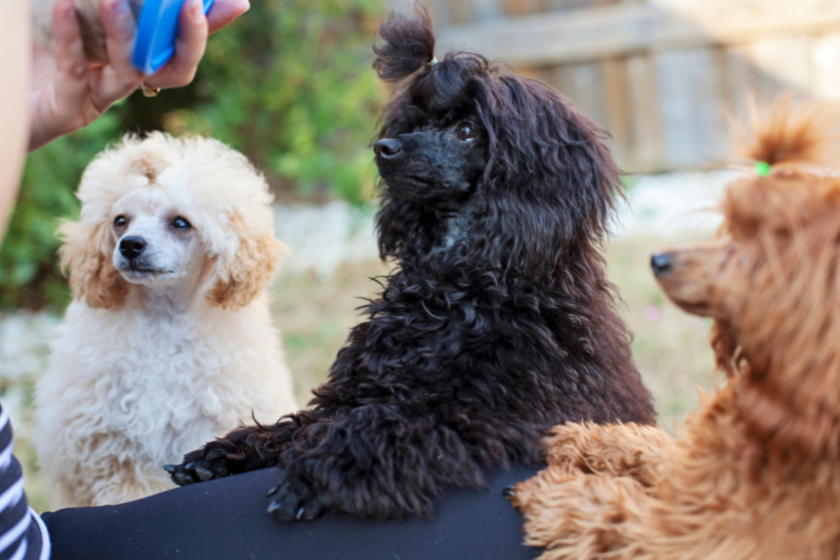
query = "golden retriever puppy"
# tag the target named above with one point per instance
(756, 473)
(168, 341)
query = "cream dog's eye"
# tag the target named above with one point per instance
(120, 221)
(181, 224)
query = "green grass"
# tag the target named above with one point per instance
(670, 347)
(315, 315)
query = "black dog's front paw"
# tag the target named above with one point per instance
(196, 471)
(293, 499)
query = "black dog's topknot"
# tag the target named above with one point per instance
(409, 44)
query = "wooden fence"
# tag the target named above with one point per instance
(663, 76)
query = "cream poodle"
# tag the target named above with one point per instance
(168, 341)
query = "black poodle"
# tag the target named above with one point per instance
(497, 324)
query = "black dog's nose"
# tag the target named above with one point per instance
(387, 147)
(131, 246)
(661, 263)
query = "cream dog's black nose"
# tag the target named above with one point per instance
(131, 246)
(387, 148)
(661, 263)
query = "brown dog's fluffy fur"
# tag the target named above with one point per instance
(756, 473)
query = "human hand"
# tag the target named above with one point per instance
(68, 92)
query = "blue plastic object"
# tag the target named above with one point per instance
(157, 29)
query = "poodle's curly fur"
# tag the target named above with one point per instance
(756, 473)
(142, 371)
(498, 322)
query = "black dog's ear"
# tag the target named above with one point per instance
(409, 44)
(404, 226)
(551, 183)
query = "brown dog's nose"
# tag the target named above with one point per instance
(661, 263)
(387, 147)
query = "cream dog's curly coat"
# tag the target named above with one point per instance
(168, 341)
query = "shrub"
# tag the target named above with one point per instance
(289, 84)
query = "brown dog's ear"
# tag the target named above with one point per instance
(243, 275)
(87, 253)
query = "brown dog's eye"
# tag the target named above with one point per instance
(120, 221)
(180, 224)
(466, 132)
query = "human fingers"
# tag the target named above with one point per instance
(118, 78)
(58, 97)
(224, 12)
(70, 62)
(189, 48)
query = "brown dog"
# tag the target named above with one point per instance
(757, 472)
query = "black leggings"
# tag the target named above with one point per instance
(226, 519)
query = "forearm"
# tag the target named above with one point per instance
(15, 68)
(374, 463)
(371, 461)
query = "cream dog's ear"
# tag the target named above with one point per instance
(87, 252)
(245, 273)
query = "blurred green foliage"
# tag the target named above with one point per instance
(289, 84)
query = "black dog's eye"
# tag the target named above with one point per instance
(181, 223)
(120, 221)
(466, 132)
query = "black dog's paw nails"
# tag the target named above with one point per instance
(195, 471)
(182, 478)
(508, 492)
(294, 500)
(177, 474)
(203, 473)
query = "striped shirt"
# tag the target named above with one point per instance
(23, 535)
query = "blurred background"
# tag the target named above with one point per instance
(290, 85)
